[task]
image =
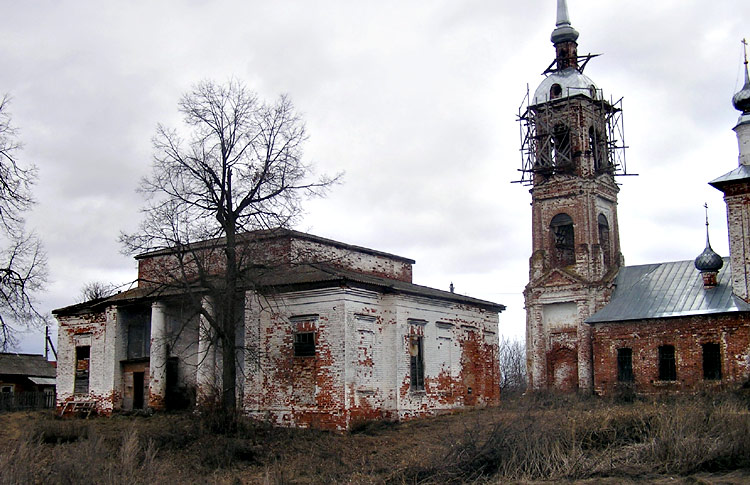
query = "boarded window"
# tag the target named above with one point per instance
(711, 361)
(667, 367)
(625, 365)
(304, 344)
(416, 352)
(83, 354)
(563, 240)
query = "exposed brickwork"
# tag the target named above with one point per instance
(362, 348)
(571, 269)
(687, 335)
(288, 249)
(359, 368)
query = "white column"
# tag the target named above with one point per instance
(206, 372)
(157, 383)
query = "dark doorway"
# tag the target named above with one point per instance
(137, 390)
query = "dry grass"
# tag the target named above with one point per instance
(545, 438)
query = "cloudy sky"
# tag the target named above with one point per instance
(415, 100)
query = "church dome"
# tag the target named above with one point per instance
(708, 260)
(564, 84)
(741, 100)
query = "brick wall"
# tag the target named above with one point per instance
(361, 368)
(687, 335)
(168, 268)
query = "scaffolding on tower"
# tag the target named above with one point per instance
(546, 151)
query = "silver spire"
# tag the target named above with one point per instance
(563, 32)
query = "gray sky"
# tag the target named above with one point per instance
(415, 100)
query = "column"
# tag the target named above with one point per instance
(157, 383)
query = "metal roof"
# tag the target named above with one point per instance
(26, 365)
(740, 173)
(572, 82)
(665, 290)
(290, 277)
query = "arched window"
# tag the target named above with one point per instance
(604, 239)
(555, 91)
(561, 146)
(563, 240)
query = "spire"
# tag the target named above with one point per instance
(563, 32)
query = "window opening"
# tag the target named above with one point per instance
(625, 365)
(604, 239)
(555, 91)
(304, 344)
(563, 236)
(667, 367)
(711, 361)
(416, 352)
(561, 146)
(81, 385)
(139, 337)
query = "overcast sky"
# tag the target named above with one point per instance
(415, 100)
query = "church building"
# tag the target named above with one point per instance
(593, 324)
(330, 334)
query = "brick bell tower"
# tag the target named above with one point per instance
(572, 150)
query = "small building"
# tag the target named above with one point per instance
(26, 381)
(332, 335)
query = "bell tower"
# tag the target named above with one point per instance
(572, 150)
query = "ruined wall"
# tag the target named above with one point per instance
(291, 390)
(361, 369)
(98, 331)
(165, 268)
(558, 342)
(347, 257)
(687, 335)
(460, 356)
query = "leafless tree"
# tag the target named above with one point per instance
(94, 290)
(512, 356)
(23, 267)
(237, 167)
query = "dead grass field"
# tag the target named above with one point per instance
(542, 439)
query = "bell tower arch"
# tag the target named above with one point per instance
(572, 149)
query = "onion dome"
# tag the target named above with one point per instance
(741, 100)
(563, 32)
(708, 260)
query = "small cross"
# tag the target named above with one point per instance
(744, 47)
(705, 205)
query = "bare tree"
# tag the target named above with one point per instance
(512, 357)
(238, 168)
(23, 267)
(94, 290)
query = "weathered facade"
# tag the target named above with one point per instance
(594, 325)
(335, 334)
(570, 165)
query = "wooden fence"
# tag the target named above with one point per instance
(18, 401)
